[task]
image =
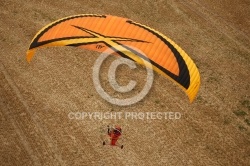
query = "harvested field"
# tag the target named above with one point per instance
(36, 98)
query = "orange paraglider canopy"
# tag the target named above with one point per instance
(99, 32)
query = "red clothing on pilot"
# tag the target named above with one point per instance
(114, 134)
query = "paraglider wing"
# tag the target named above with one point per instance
(99, 32)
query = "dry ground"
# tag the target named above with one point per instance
(35, 98)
